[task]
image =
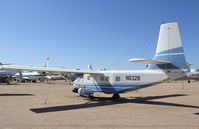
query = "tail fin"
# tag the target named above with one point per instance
(90, 67)
(46, 62)
(169, 48)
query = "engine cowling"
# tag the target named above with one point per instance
(84, 91)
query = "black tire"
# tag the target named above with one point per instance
(8, 82)
(91, 97)
(34, 81)
(115, 97)
(75, 90)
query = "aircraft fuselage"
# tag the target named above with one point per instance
(121, 81)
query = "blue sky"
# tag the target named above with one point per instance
(104, 33)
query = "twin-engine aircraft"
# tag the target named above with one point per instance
(168, 63)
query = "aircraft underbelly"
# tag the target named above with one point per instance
(117, 88)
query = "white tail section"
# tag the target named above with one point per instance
(170, 49)
(169, 37)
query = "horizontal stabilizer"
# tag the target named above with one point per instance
(140, 60)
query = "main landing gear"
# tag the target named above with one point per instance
(115, 97)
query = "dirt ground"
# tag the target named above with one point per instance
(54, 106)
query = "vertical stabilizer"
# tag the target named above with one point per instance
(170, 48)
(46, 62)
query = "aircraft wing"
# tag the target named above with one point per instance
(51, 70)
(5, 63)
(140, 60)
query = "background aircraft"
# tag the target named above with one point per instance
(31, 76)
(193, 75)
(6, 75)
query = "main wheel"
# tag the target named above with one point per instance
(8, 82)
(115, 97)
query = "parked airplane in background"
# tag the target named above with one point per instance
(193, 75)
(27, 76)
(168, 63)
(5, 75)
(31, 76)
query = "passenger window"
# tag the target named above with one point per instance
(88, 78)
(117, 78)
(102, 78)
(107, 79)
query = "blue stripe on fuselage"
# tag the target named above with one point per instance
(111, 89)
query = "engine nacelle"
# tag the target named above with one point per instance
(84, 91)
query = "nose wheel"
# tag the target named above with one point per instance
(90, 96)
(75, 90)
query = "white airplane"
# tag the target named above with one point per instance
(27, 76)
(168, 63)
(193, 75)
(31, 76)
(5, 75)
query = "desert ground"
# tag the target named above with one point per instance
(52, 105)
